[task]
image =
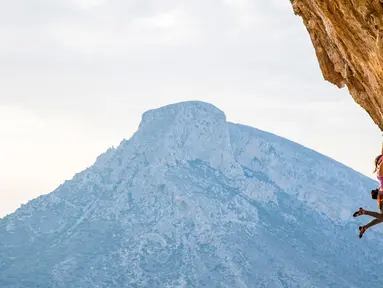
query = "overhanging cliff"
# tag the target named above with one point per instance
(348, 40)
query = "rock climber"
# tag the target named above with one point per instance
(375, 194)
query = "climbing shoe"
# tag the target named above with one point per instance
(359, 212)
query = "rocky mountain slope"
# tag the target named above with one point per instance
(194, 201)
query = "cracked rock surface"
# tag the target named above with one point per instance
(347, 36)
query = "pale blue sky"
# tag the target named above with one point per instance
(75, 77)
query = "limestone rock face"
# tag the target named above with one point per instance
(348, 40)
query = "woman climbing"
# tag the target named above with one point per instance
(375, 194)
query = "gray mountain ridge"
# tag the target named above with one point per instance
(192, 200)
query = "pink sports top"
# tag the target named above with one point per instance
(380, 178)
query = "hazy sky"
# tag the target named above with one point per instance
(75, 77)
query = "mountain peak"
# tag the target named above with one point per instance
(188, 111)
(186, 131)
